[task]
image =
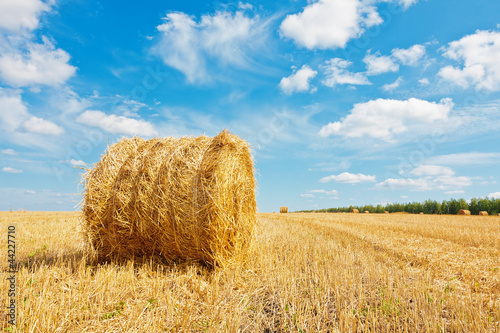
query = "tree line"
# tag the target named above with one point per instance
(476, 205)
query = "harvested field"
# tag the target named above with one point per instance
(308, 272)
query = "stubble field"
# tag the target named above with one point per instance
(305, 273)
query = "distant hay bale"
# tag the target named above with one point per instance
(283, 209)
(421, 213)
(463, 212)
(355, 211)
(187, 199)
(366, 212)
(386, 212)
(498, 214)
(483, 213)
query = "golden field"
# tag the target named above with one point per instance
(306, 273)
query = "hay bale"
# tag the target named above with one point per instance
(483, 213)
(187, 199)
(283, 209)
(355, 211)
(386, 212)
(366, 212)
(421, 213)
(463, 212)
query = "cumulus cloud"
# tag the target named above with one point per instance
(347, 177)
(186, 45)
(455, 192)
(13, 111)
(40, 64)
(432, 170)
(77, 163)
(378, 64)
(331, 192)
(11, 170)
(329, 24)
(336, 73)
(424, 82)
(406, 3)
(422, 184)
(311, 194)
(394, 85)
(384, 118)
(495, 195)
(410, 56)
(16, 15)
(431, 177)
(9, 151)
(244, 6)
(42, 126)
(399, 184)
(116, 124)
(479, 54)
(471, 158)
(298, 81)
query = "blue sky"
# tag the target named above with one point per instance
(344, 101)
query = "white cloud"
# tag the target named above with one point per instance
(432, 170)
(406, 3)
(392, 86)
(336, 73)
(433, 178)
(42, 126)
(410, 56)
(78, 163)
(495, 195)
(298, 81)
(30, 192)
(378, 64)
(244, 6)
(116, 124)
(16, 15)
(9, 151)
(186, 45)
(13, 111)
(39, 64)
(404, 196)
(424, 82)
(331, 192)
(479, 53)
(347, 177)
(329, 24)
(472, 158)
(455, 192)
(383, 118)
(11, 170)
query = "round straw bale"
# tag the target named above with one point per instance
(283, 209)
(367, 212)
(386, 212)
(421, 213)
(483, 213)
(355, 211)
(463, 212)
(187, 199)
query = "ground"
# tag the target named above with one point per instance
(305, 273)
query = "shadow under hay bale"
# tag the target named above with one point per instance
(187, 199)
